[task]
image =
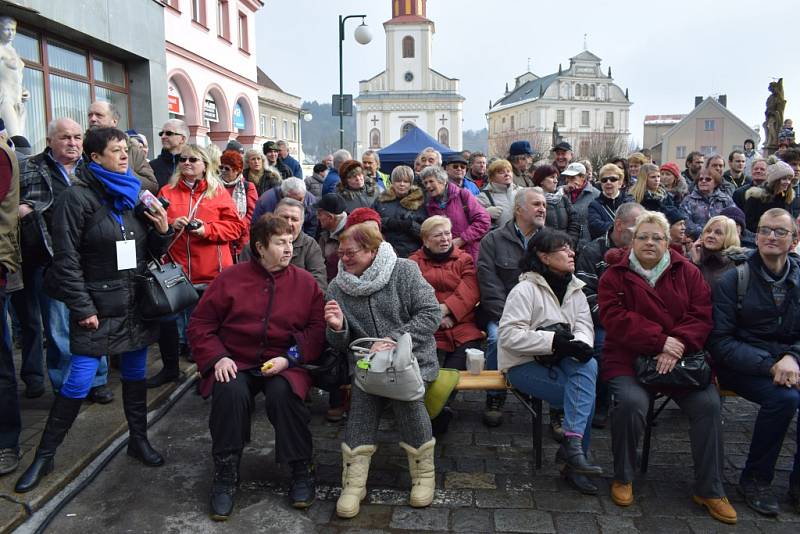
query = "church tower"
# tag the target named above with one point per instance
(409, 92)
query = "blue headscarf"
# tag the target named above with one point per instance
(123, 188)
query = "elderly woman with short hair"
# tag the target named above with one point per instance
(660, 296)
(603, 209)
(242, 192)
(376, 294)
(470, 220)
(290, 188)
(718, 249)
(498, 195)
(402, 210)
(706, 200)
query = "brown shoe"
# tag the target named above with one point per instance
(719, 509)
(621, 493)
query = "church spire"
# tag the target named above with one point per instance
(409, 8)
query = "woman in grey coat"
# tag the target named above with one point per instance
(376, 294)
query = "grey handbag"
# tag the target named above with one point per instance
(392, 373)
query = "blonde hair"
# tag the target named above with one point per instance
(499, 165)
(214, 156)
(213, 181)
(652, 217)
(729, 231)
(611, 168)
(365, 235)
(432, 222)
(639, 189)
(637, 157)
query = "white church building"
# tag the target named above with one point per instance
(409, 92)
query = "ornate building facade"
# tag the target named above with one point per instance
(590, 110)
(409, 92)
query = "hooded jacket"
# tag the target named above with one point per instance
(401, 219)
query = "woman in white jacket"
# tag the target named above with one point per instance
(545, 346)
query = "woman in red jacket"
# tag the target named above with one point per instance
(256, 323)
(655, 302)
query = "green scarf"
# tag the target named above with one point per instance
(652, 275)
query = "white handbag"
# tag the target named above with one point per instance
(392, 373)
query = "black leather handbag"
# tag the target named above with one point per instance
(330, 371)
(690, 372)
(164, 291)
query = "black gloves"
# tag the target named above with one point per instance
(562, 344)
(580, 351)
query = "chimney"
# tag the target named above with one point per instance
(698, 100)
(723, 100)
(506, 87)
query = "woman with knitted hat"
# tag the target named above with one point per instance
(242, 192)
(355, 188)
(673, 182)
(776, 192)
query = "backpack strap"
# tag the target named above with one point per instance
(742, 281)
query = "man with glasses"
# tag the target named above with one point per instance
(456, 168)
(756, 346)
(173, 136)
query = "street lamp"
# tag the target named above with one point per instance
(302, 115)
(363, 35)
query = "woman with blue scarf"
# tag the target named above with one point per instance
(100, 249)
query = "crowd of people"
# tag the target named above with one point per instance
(569, 278)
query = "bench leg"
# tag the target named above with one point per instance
(537, 421)
(648, 430)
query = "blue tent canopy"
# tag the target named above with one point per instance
(405, 150)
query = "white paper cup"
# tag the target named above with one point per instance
(475, 361)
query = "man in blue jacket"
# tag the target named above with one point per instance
(756, 345)
(288, 160)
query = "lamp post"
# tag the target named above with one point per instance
(302, 115)
(363, 35)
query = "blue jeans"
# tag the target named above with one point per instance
(83, 369)
(491, 355)
(778, 405)
(570, 384)
(56, 321)
(10, 421)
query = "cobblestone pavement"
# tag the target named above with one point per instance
(484, 482)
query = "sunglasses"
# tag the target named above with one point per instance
(612, 179)
(705, 179)
(457, 166)
(225, 168)
(190, 159)
(167, 133)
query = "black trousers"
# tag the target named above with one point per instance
(232, 404)
(10, 421)
(458, 358)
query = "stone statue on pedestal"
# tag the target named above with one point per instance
(12, 94)
(776, 103)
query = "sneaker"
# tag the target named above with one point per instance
(493, 414)
(9, 461)
(556, 422)
(303, 489)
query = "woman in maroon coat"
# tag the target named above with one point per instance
(256, 323)
(655, 302)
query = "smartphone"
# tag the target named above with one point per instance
(149, 200)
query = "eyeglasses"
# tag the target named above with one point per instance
(643, 238)
(766, 231)
(225, 168)
(457, 165)
(190, 159)
(348, 253)
(168, 133)
(705, 179)
(612, 179)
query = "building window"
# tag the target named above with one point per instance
(709, 125)
(512, 123)
(592, 90)
(609, 119)
(66, 83)
(285, 129)
(294, 130)
(443, 136)
(262, 125)
(244, 40)
(199, 11)
(273, 128)
(375, 138)
(406, 128)
(223, 24)
(560, 117)
(680, 152)
(709, 150)
(408, 46)
(585, 119)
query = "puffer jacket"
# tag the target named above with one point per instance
(470, 220)
(203, 257)
(759, 199)
(561, 216)
(456, 285)
(361, 198)
(532, 305)
(84, 272)
(699, 209)
(401, 219)
(406, 303)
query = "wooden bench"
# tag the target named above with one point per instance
(652, 414)
(495, 380)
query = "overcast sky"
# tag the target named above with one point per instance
(665, 53)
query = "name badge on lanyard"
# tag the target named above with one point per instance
(126, 252)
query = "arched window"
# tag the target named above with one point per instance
(408, 46)
(406, 128)
(443, 136)
(375, 138)
(592, 90)
(577, 89)
(585, 90)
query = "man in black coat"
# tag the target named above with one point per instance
(173, 136)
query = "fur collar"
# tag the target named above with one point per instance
(412, 201)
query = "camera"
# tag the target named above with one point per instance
(193, 224)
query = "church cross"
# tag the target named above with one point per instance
(374, 120)
(443, 119)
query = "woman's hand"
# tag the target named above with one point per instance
(694, 250)
(458, 242)
(201, 230)
(225, 370)
(90, 323)
(159, 220)
(279, 364)
(180, 223)
(334, 317)
(444, 309)
(665, 363)
(674, 347)
(447, 323)
(382, 345)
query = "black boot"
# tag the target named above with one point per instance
(62, 415)
(134, 401)
(166, 375)
(571, 453)
(582, 483)
(169, 347)
(226, 476)
(303, 490)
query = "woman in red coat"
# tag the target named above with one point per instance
(655, 302)
(243, 194)
(256, 323)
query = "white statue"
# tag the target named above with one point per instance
(12, 94)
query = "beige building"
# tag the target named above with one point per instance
(279, 115)
(710, 127)
(585, 103)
